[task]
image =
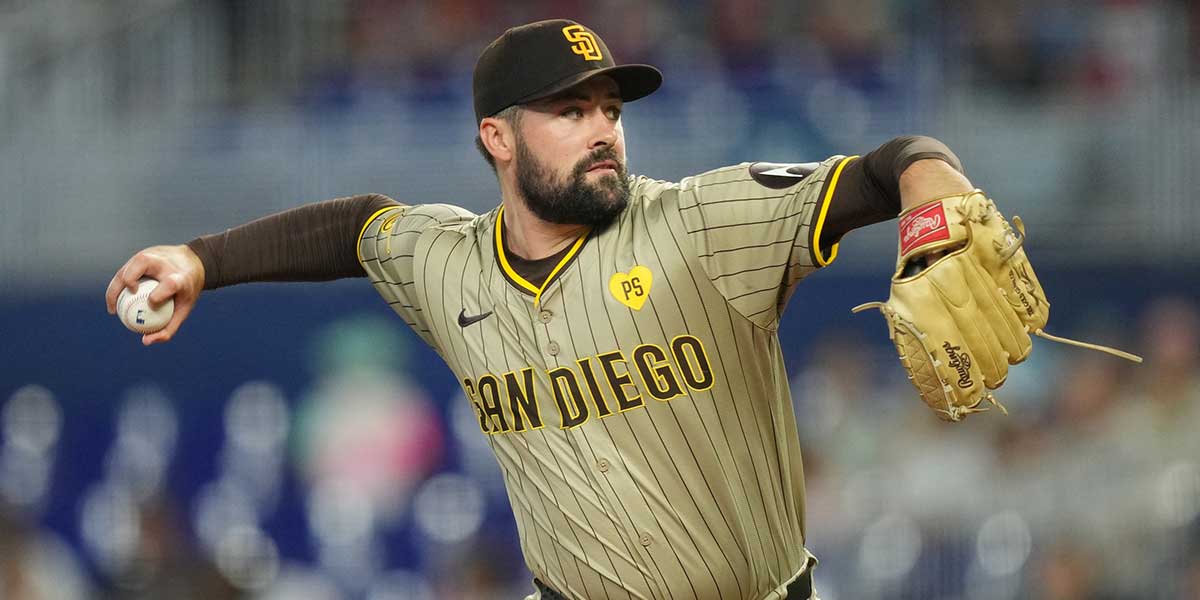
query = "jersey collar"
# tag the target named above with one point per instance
(515, 278)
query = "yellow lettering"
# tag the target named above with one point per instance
(693, 362)
(522, 400)
(656, 372)
(469, 386)
(572, 410)
(618, 381)
(489, 392)
(589, 377)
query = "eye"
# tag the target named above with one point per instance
(572, 112)
(613, 112)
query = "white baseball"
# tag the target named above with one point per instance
(135, 312)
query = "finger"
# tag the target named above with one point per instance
(167, 288)
(113, 291)
(133, 271)
(182, 310)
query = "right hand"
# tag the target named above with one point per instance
(180, 275)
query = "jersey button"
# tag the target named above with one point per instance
(552, 348)
(602, 464)
(545, 316)
(645, 539)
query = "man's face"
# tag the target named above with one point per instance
(570, 155)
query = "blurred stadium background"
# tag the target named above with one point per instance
(296, 441)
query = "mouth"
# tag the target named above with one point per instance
(610, 165)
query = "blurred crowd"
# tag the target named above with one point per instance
(343, 51)
(1096, 49)
(367, 486)
(1089, 489)
(346, 51)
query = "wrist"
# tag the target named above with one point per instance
(929, 179)
(194, 253)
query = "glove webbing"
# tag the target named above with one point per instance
(1007, 253)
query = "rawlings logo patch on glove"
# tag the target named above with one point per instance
(921, 227)
(959, 322)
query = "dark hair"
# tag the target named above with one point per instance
(511, 115)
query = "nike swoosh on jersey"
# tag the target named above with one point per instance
(783, 172)
(781, 175)
(464, 320)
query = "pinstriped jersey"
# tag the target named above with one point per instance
(636, 401)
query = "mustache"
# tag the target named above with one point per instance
(605, 153)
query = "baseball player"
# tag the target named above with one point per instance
(616, 335)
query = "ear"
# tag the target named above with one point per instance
(498, 138)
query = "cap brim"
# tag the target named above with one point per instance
(634, 82)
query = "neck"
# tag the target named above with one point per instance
(532, 238)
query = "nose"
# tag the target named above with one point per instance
(606, 131)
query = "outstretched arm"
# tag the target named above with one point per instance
(903, 172)
(964, 298)
(760, 228)
(315, 242)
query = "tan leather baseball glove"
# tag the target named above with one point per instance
(960, 320)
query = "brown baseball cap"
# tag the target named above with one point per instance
(543, 58)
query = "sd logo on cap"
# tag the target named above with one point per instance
(529, 62)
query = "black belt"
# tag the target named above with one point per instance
(799, 589)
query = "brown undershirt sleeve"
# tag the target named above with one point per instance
(869, 189)
(315, 242)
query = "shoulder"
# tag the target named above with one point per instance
(649, 198)
(647, 193)
(404, 229)
(441, 216)
(648, 188)
(642, 188)
(434, 219)
(730, 179)
(721, 175)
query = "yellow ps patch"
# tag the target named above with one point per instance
(584, 44)
(632, 288)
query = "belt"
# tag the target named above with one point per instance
(799, 589)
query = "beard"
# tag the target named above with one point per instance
(575, 201)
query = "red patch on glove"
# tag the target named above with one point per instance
(923, 226)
